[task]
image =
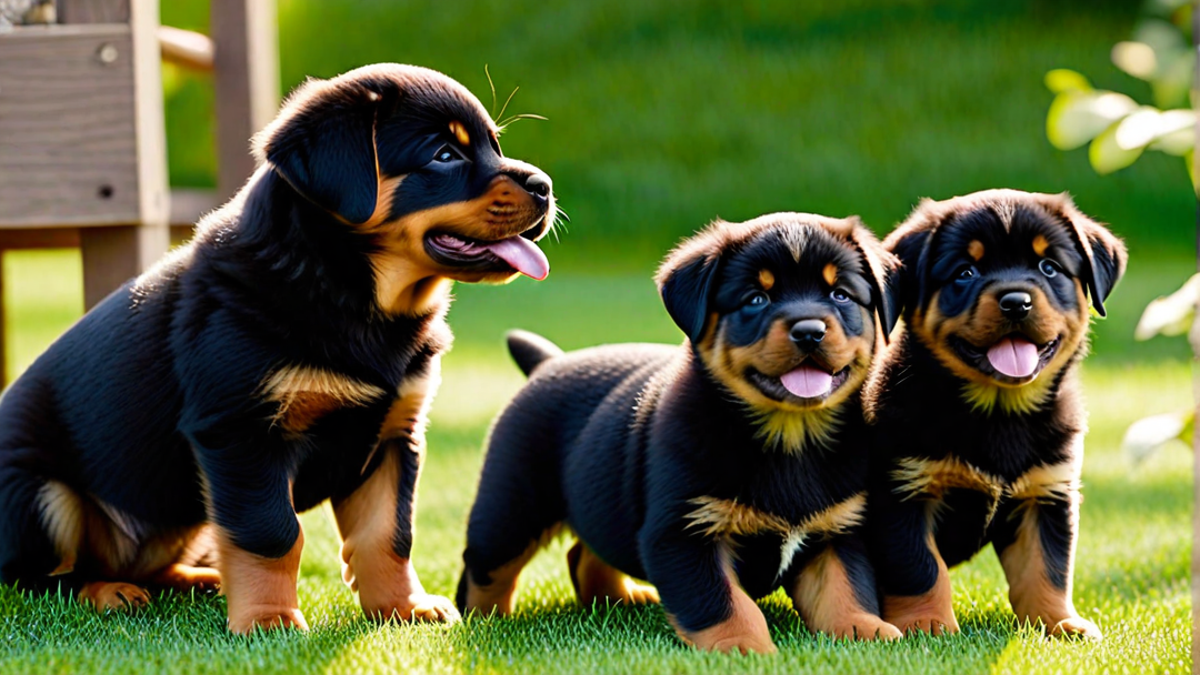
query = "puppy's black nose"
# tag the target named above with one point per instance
(539, 184)
(1016, 305)
(808, 333)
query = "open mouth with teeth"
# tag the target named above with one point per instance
(514, 254)
(808, 383)
(1013, 359)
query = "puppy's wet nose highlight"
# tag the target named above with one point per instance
(807, 333)
(539, 184)
(1016, 305)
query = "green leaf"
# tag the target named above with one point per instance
(1148, 434)
(1176, 134)
(1061, 81)
(1136, 58)
(1107, 156)
(1172, 314)
(1077, 117)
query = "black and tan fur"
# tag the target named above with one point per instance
(965, 455)
(693, 467)
(286, 356)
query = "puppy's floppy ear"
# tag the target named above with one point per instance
(687, 277)
(883, 268)
(910, 242)
(323, 144)
(1104, 255)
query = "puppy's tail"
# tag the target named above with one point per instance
(530, 349)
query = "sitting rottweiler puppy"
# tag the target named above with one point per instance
(719, 470)
(976, 404)
(286, 356)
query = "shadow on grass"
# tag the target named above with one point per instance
(565, 637)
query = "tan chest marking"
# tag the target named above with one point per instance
(925, 478)
(918, 477)
(1058, 482)
(727, 518)
(306, 394)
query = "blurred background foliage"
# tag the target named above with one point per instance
(665, 115)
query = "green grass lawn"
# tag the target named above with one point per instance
(1132, 576)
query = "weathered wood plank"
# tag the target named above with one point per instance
(93, 11)
(68, 151)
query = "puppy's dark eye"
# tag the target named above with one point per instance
(447, 153)
(757, 300)
(840, 296)
(966, 273)
(1048, 268)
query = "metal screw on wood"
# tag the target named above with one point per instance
(108, 53)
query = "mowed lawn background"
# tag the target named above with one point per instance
(663, 116)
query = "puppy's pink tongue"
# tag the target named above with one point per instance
(807, 381)
(524, 256)
(1014, 357)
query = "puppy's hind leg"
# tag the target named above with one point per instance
(41, 528)
(44, 534)
(519, 506)
(593, 579)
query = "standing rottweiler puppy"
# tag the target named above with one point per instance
(286, 356)
(719, 470)
(976, 406)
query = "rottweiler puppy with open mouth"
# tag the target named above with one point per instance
(286, 356)
(976, 404)
(719, 470)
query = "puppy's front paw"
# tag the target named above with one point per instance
(1076, 626)
(416, 607)
(105, 595)
(930, 613)
(641, 594)
(934, 625)
(745, 643)
(863, 627)
(266, 618)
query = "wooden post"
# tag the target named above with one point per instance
(112, 255)
(246, 79)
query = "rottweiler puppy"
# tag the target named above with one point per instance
(286, 356)
(976, 407)
(719, 470)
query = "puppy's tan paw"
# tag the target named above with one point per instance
(1076, 626)
(266, 618)
(417, 607)
(641, 594)
(105, 595)
(934, 625)
(864, 627)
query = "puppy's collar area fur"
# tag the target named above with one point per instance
(793, 432)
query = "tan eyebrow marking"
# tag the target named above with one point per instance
(975, 248)
(766, 279)
(830, 274)
(1040, 244)
(460, 132)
